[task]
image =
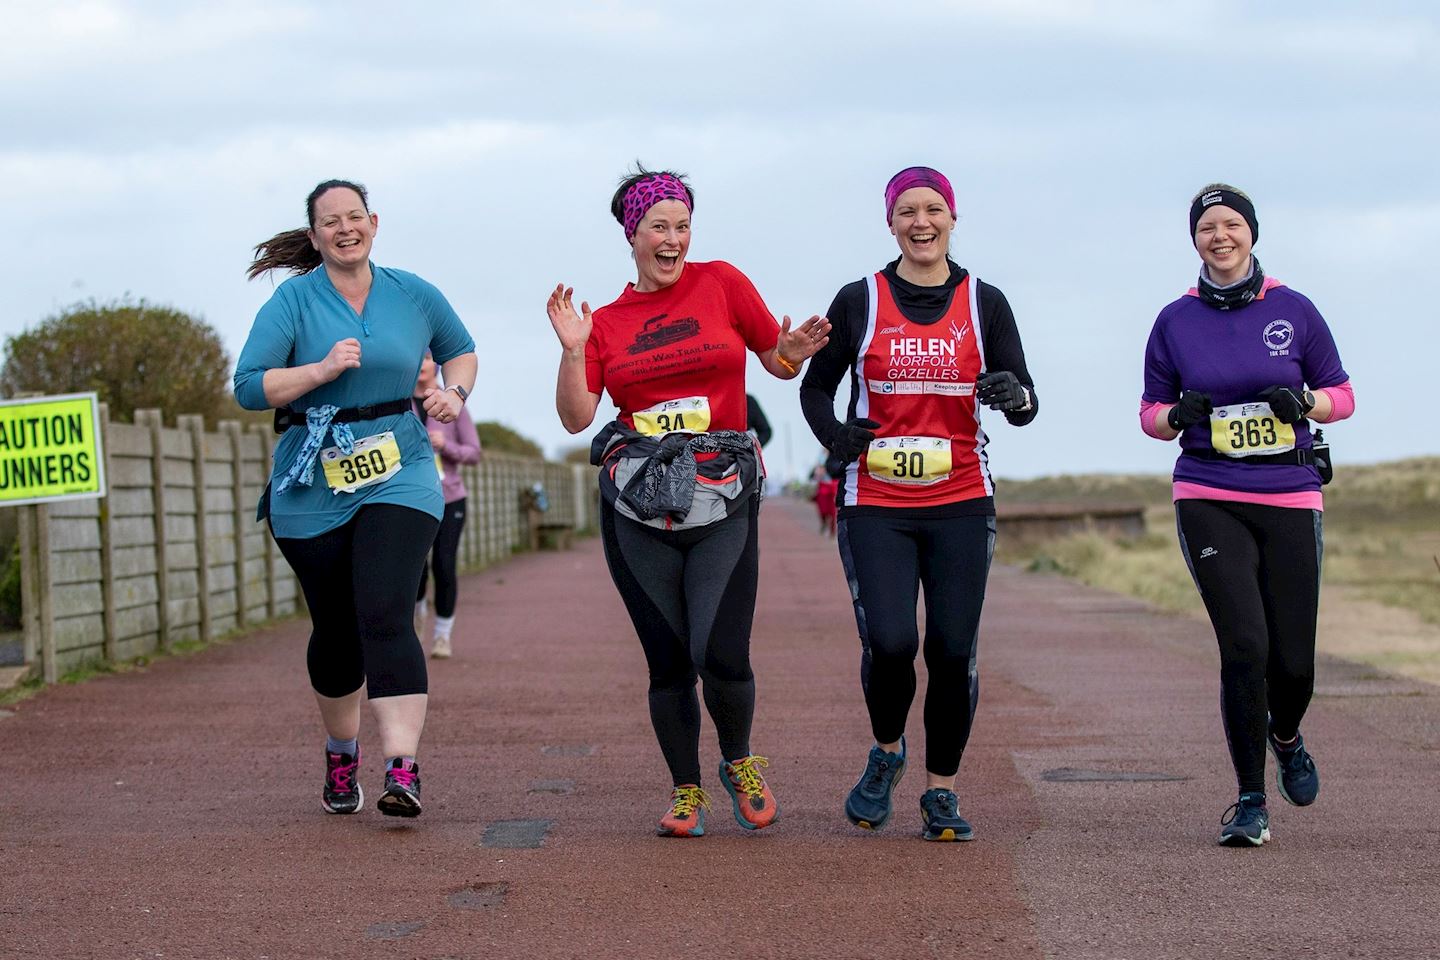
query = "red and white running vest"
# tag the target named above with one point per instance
(918, 382)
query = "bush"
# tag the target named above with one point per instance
(10, 611)
(498, 438)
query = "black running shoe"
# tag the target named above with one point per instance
(1246, 823)
(342, 793)
(402, 790)
(942, 820)
(1295, 772)
(868, 804)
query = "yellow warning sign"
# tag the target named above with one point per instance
(50, 449)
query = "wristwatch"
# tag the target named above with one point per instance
(464, 394)
(1308, 399)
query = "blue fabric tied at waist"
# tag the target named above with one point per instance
(317, 425)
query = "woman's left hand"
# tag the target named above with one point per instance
(443, 405)
(798, 345)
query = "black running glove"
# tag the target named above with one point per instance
(853, 438)
(1288, 405)
(1002, 390)
(1193, 407)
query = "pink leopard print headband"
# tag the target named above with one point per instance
(918, 177)
(644, 194)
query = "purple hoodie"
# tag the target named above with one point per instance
(462, 445)
(1277, 338)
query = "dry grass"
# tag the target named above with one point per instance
(1382, 540)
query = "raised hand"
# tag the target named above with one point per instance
(1289, 405)
(796, 346)
(345, 355)
(1193, 407)
(573, 329)
(442, 405)
(1002, 390)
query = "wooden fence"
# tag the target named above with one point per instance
(173, 553)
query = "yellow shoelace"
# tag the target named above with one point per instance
(747, 777)
(685, 800)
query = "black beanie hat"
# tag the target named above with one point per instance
(1221, 195)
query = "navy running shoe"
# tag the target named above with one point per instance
(342, 793)
(1246, 822)
(402, 789)
(941, 818)
(1295, 772)
(868, 803)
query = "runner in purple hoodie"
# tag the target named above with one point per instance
(1237, 368)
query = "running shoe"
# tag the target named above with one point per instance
(402, 789)
(1246, 822)
(440, 649)
(868, 804)
(686, 816)
(1295, 772)
(342, 793)
(755, 805)
(941, 818)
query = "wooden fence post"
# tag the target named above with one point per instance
(48, 664)
(194, 424)
(267, 451)
(107, 542)
(237, 487)
(152, 419)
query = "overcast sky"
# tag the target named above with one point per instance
(145, 148)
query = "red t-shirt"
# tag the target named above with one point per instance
(680, 352)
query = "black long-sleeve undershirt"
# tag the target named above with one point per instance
(921, 305)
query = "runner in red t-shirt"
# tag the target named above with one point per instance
(681, 540)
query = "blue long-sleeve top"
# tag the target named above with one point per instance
(403, 316)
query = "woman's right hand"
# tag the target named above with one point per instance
(345, 355)
(573, 329)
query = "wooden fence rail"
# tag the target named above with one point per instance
(173, 553)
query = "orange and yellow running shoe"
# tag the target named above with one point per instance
(686, 817)
(755, 805)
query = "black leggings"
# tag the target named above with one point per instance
(1258, 570)
(447, 546)
(691, 596)
(887, 559)
(359, 582)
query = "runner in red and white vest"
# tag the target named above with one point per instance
(925, 345)
(680, 479)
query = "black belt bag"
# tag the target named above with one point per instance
(285, 418)
(1304, 458)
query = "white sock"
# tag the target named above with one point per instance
(422, 607)
(442, 627)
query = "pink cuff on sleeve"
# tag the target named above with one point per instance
(1149, 413)
(1342, 400)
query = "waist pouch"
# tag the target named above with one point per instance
(657, 481)
(285, 418)
(1304, 458)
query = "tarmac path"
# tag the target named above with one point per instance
(174, 811)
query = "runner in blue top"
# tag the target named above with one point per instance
(353, 499)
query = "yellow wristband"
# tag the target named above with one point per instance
(780, 359)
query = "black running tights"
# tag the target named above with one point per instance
(359, 581)
(1258, 571)
(691, 595)
(887, 560)
(442, 560)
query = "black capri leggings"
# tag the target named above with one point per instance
(359, 581)
(442, 560)
(1258, 571)
(887, 559)
(691, 596)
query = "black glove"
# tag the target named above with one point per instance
(1002, 390)
(1193, 407)
(1288, 404)
(853, 438)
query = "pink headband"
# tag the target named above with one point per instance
(644, 194)
(912, 177)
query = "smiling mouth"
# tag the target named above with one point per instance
(668, 258)
(343, 244)
(920, 239)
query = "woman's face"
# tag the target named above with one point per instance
(1223, 240)
(344, 230)
(660, 244)
(921, 223)
(426, 380)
